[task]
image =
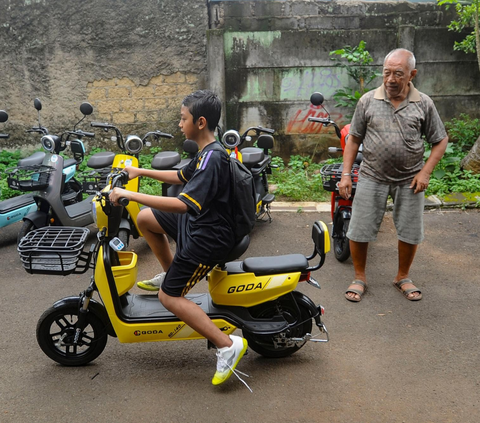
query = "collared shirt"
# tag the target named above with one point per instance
(393, 138)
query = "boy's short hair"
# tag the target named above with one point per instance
(204, 103)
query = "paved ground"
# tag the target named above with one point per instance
(389, 360)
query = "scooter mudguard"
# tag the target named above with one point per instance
(38, 218)
(93, 307)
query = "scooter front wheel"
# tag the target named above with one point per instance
(341, 244)
(56, 333)
(28, 226)
(277, 346)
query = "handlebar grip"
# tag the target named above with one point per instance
(318, 120)
(266, 130)
(4, 136)
(88, 134)
(101, 125)
(164, 135)
(123, 201)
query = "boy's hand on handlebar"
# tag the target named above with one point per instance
(118, 193)
(133, 172)
(345, 187)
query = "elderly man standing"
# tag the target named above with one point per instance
(392, 122)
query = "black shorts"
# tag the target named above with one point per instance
(184, 271)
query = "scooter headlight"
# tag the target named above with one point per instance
(48, 143)
(133, 144)
(231, 139)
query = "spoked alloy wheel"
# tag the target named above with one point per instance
(341, 244)
(265, 344)
(56, 333)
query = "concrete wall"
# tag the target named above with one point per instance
(277, 54)
(133, 60)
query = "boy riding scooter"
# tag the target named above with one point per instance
(198, 220)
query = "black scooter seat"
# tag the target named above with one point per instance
(6, 206)
(275, 265)
(35, 159)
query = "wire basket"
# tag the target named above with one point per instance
(332, 173)
(29, 178)
(95, 180)
(55, 250)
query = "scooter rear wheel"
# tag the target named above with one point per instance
(56, 332)
(265, 344)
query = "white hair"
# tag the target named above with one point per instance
(411, 62)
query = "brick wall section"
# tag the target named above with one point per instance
(121, 101)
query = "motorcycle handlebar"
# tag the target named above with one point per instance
(102, 125)
(123, 201)
(158, 134)
(320, 120)
(81, 133)
(4, 136)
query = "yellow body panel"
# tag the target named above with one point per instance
(125, 276)
(246, 289)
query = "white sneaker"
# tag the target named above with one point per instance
(152, 284)
(228, 358)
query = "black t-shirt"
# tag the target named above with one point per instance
(206, 231)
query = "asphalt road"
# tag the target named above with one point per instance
(388, 359)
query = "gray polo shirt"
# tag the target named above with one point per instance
(393, 143)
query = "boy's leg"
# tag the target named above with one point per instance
(156, 237)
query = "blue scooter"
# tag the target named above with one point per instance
(14, 209)
(57, 194)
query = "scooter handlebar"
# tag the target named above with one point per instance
(123, 201)
(102, 125)
(4, 136)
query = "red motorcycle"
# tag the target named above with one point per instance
(341, 209)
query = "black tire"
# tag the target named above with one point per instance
(341, 244)
(28, 226)
(264, 344)
(59, 322)
(124, 236)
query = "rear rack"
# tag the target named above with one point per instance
(332, 173)
(55, 250)
(29, 178)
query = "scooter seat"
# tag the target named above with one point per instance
(35, 159)
(165, 160)
(101, 160)
(69, 162)
(275, 265)
(251, 156)
(15, 203)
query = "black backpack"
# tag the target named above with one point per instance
(242, 191)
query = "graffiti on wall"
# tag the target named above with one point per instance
(299, 123)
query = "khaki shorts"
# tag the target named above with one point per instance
(369, 205)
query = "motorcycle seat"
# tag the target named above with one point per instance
(165, 160)
(252, 156)
(15, 203)
(101, 160)
(35, 159)
(69, 162)
(276, 264)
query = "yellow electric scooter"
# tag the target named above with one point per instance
(256, 295)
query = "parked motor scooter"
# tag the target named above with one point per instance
(14, 209)
(57, 194)
(341, 209)
(257, 160)
(131, 146)
(256, 295)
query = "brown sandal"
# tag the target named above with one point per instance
(405, 292)
(356, 291)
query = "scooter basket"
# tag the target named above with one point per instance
(94, 181)
(29, 178)
(55, 251)
(332, 173)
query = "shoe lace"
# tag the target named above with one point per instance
(222, 363)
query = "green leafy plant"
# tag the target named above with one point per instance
(468, 13)
(358, 66)
(448, 177)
